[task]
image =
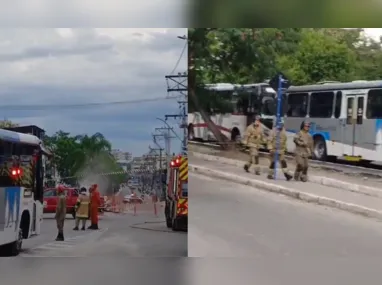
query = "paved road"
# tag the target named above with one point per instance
(231, 220)
(125, 235)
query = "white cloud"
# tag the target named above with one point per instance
(93, 13)
(66, 66)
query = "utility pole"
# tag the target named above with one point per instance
(177, 83)
(156, 180)
(183, 125)
(167, 136)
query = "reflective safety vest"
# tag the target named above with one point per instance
(83, 202)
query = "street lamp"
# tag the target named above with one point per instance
(170, 128)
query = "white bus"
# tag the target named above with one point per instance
(232, 108)
(21, 189)
(346, 118)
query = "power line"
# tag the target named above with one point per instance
(80, 105)
(180, 57)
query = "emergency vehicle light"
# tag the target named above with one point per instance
(175, 163)
(16, 171)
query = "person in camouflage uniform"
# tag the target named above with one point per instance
(304, 150)
(253, 139)
(278, 134)
(60, 212)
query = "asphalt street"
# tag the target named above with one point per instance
(112, 254)
(120, 235)
(280, 234)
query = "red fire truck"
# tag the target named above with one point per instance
(176, 209)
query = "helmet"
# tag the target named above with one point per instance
(256, 118)
(60, 189)
(305, 123)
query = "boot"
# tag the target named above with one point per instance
(270, 174)
(246, 168)
(304, 176)
(75, 229)
(95, 227)
(60, 237)
(288, 176)
(83, 228)
(91, 227)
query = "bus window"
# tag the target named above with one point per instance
(5, 164)
(297, 104)
(349, 114)
(374, 104)
(337, 106)
(321, 105)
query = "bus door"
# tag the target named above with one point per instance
(352, 126)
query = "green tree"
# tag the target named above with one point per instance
(8, 124)
(83, 155)
(319, 57)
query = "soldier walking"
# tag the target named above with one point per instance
(253, 138)
(304, 150)
(60, 213)
(82, 209)
(278, 134)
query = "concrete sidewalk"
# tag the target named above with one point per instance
(326, 178)
(342, 199)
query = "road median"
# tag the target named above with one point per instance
(361, 209)
(321, 180)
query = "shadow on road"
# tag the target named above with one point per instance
(157, 226)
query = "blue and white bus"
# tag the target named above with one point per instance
(346, 118)
(21, 189)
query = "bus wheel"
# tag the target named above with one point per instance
(168, 217)
(235, 135)
(191, 133)
(14, 248)
(319, 151)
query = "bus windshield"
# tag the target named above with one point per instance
(16, 156)
(224, 98)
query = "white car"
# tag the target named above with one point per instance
(132, 199)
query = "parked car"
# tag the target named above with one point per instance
(50, 200)
(131, 198)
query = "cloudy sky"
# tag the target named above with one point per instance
(59, 67)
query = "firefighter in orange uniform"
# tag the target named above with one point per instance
(95, 201)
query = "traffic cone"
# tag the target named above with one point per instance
(155, 210)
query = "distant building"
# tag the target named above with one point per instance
(121, 155)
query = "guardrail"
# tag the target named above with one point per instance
(342, 167)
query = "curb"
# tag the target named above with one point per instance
(366, 190)
(303, 196)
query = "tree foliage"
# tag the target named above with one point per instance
(306, 56)
(8, 124)
(239, 55)
(83, 155)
